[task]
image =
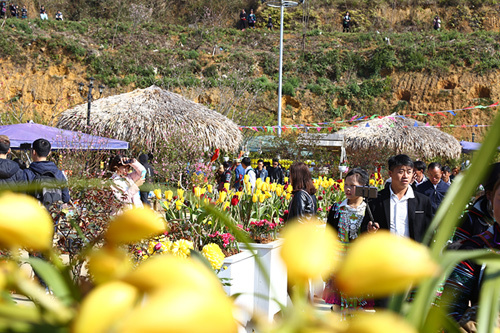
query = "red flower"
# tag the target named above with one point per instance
(320, 198)
(235, 200)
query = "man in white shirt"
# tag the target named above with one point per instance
(398, 208)
(252, 176)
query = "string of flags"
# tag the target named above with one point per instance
(328, 125)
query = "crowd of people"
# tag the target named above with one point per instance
(406, 207)
(22, 13)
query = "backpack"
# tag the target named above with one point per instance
(45, 191)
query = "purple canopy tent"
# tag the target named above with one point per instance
(469, 147)
(58, 138)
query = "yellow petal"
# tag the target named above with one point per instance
(382, 263)
(104, 306)
(134, 225)
(24, 223)
(379, 322)
(309, 250)
(167, 270)
(108, 263)
(177, 310)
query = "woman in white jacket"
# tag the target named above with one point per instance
(128, 175)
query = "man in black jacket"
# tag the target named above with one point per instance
(398, 208)
(276, 173)
(42, 167)
(435, 188)
(10, 172)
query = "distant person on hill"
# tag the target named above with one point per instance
(346, 23)
(24, 12)
(243, 20)
(13, 10)
(270, 23)
(251, 19)
(59, 16)
(43, 13)
(3, 9)
(437, 23)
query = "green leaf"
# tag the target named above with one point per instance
(487, 315)
(53, 278)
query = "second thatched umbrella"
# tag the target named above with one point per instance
(148, 116)
(400, 135)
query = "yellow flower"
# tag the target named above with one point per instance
(180, 193)
(255, 198)
(157, 193)
(262, 197)
(286, 179)
(169, 195)
(24, 223)
(268, 180)
(134, 225)
(289, 189)
(105, 306)
(258, 183)
(197, 191)
(379, 322)
(226, 205)
(246, 178)
(372, 182)
(279, 191)
(108, 263)
(226, 186)
(178, 204)
(210, 188)
(288, 196)
(163, 271)
(309, 250)
(268, 194)
(214, 255)
(175, 310)
(181, 248)
(381, 264)
(320, 179)
(273, 187)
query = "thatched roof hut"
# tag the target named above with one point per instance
(147, 116)
(400, 135)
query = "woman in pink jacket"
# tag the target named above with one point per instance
(128, 176)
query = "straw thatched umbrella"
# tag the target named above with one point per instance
(147, 116)
(400, 135)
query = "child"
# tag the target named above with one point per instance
(270, 23)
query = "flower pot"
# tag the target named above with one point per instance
(239, 269)
(269, 292)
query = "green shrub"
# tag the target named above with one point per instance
(264, 84)
(288, 89)
(192, 54)
(210, 71)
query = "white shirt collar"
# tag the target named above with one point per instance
(408, 195)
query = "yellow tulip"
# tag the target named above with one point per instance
(180, 193)
(246, 178)
(169, 195)
(289, 189)
(258, 182)
(226, 186)
(286, 179)
(108, 263)
(106, 305)
(288, 196)
(169, 271)
(372, 182)
(178, 204)
(24, 223)
(262, 197)
(379, 322)
(309, 250)
(268, 180)
(222, 196)
(320, 179)
(268, 195)
(264, 187)
(134, 225)
(273, 187)
(226, 205)
(255, 198)
(203, 190)
(197, 191)
(279, 191)
(176, 310)
(157, 193)
(381, 264)
(210, 188)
